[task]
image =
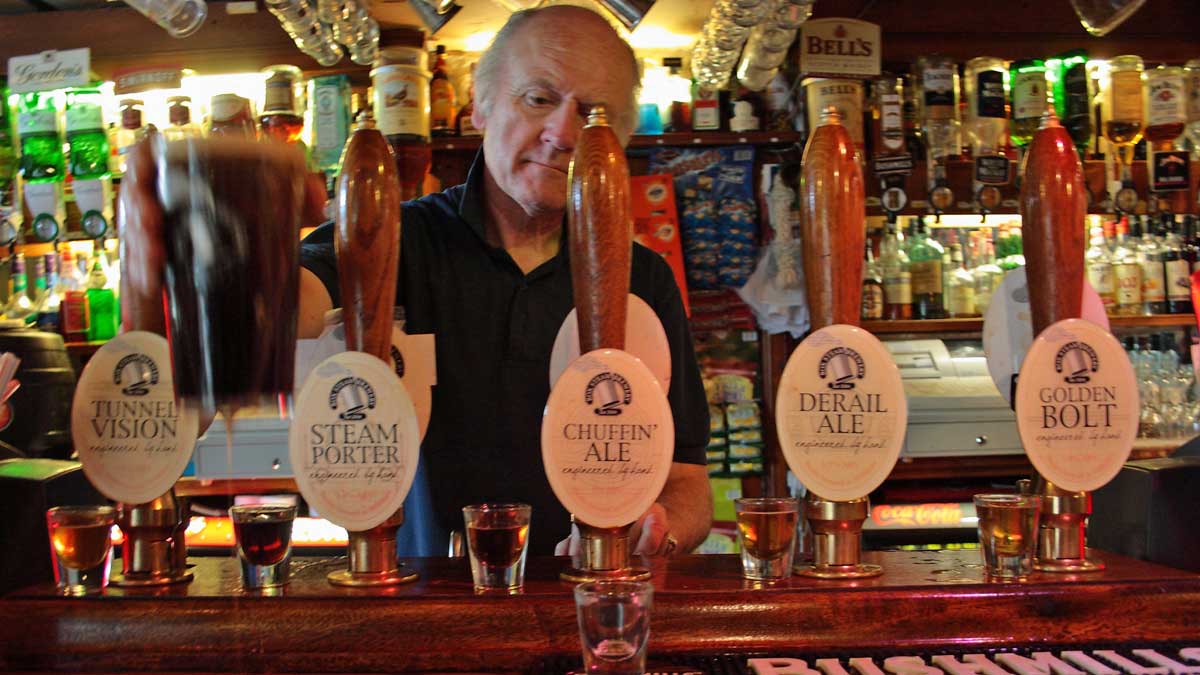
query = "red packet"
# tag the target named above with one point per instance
(656, 223)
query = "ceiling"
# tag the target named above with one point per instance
(476, 18)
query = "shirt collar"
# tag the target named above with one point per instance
(472, 211)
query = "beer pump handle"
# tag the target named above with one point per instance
(832, 224)
(1053, 208)
(600, 234)
(368, 240)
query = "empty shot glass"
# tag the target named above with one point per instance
(264, 543)
(81, 544)
(614, 625)
(766, 535)
(497, 541)
(1008, 532)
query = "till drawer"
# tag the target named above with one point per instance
(959, 439)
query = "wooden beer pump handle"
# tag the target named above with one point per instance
(600, 234)
(832, 224)
(368, 240)
(1053, 209)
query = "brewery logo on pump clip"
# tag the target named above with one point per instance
(353, 395)
(841, 366)
(609, 393)
(1077, 360)
(137, 372)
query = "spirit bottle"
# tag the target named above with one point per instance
(131, 130)
(1166, 106)
(20, 306)
(41, 148)
(86, 134)
(1127, 273)
(987, 273)
(925, 263)
(961, 290)
(1192, 75)
(101, 303)
(987, 127)
(1126, 115)
(1029, 98)
(230, 114)
(179, 118)
(466, 127)
(872, 285)
(48, 309)
(937, 79)
(897, 280)
(1176, 268)
(1100, 269)
(1073, 93)
(330, 96)
(442, 103)
(8, 152)
(1154, 284)
(280, 120)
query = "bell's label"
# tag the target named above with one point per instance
(354, 442)
(841, 412)
(133, 439)
(608, 438)
(1077, 405)
(838, 47)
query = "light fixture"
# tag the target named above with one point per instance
(435, 17)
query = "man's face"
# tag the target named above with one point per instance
(553, 72)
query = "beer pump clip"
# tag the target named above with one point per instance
(355, 439)
(607, 434)
(840, 412)
(1077, 402)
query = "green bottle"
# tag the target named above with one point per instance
(41, 148)
(1073, 96)
(102, 304)
(8, 154)
(925, 265)
(330, 96)
(86, 135)
(1029, 98)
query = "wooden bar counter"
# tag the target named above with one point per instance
(925, 602)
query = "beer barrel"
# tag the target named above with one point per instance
(40, 423)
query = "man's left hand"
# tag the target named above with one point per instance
(650, 535)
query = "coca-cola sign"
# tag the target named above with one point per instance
(838, 47)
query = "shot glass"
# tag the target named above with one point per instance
(766, 534)
(81, 544)
(1008, 527)
(497, 539)
(264, 543)
(614, 625)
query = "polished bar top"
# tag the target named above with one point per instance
(924, 600)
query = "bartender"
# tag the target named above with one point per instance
(484, 268)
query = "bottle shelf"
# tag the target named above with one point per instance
(974, 325)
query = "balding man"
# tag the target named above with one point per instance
(484, 268)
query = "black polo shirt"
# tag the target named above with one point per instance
(494, 328)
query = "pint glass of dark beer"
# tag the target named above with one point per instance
(231, 218)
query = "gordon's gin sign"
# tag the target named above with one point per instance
(840, 48)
